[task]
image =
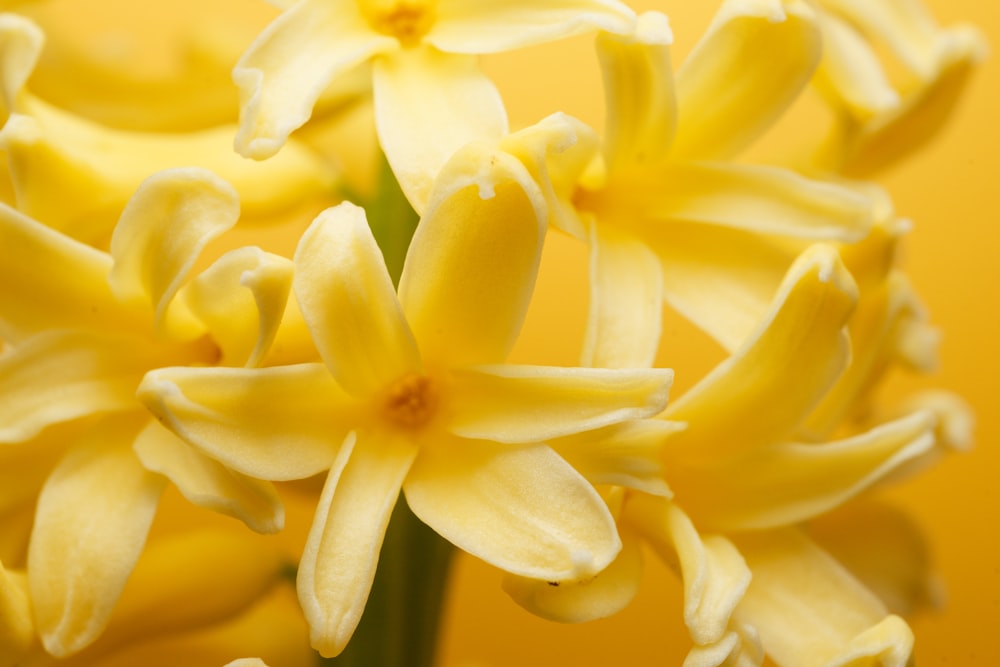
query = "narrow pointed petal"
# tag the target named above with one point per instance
(714, 574)
(276, 423)
(639, 94)
(626, 454)
(341, 554)
(17, 630)
(885, 548)
(428, 104)
(524, 404)
(762, 53)
(756, 198)
(21, 42)
(241, 299)
(790, 483)
(209, 484)
(521, 509)
(472, 264)
(600, 596)
(478, 26)
(626, 301)
(58, 376)
(851, 73)
(164, 227)
(90, 526)
(768, 387)
(288, 66)
(347, 299)
(49, 281)
(809, 610)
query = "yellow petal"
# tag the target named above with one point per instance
(243, 293)
(626, 454)
(21, 43)
(288, 66)
(207, 483)
(885, 549)
(639, 94)
(276, 423)
(850, 71)
(739, 647)
(164, 227)
(810, 611)
(600, 596)
(58, 376)
(348, 301)
(340, 557)
(25, 466)
(90, 526)
(790, 483)
(767, 388)
(761, 53)
(17, 630)
(521, 509)
(626, 301)
(714, 574)
(48, 281)
(472, 264)
(760, 199)
(246, 662)
(477, 26)
(428, 104)
(523, 404)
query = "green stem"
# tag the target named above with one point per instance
(399, 627)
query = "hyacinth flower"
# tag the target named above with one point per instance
(82, 327)
(194, 597)
(430, 96)
(735, 480)
(668, 216)
(880, 118)
(76, 175)
(413, 394)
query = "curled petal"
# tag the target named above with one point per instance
(739, 647)
(347, 299)
(90, 526)
(279, 423)
(522, 509)
(762, 53)
(524, 404)
(288, 66)
(715, 575)
(472, 264)
(338, 564)
(599, 596)
(478, 26)
(164, 227)
(209, 484)
(243, 292)
(428, 104)
(760, 394)
(639, 92)
(809, 610)
(21, 44)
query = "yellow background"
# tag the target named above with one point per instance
(950, 190)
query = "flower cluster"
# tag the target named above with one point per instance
(290, 336)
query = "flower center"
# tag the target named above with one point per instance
(411, 401)
(406, 20)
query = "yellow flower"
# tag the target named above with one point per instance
(739, 477)
(882, 118)
(430, 97)
(83, 327)
(667, 216)
(76, 175)
(413, 394)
